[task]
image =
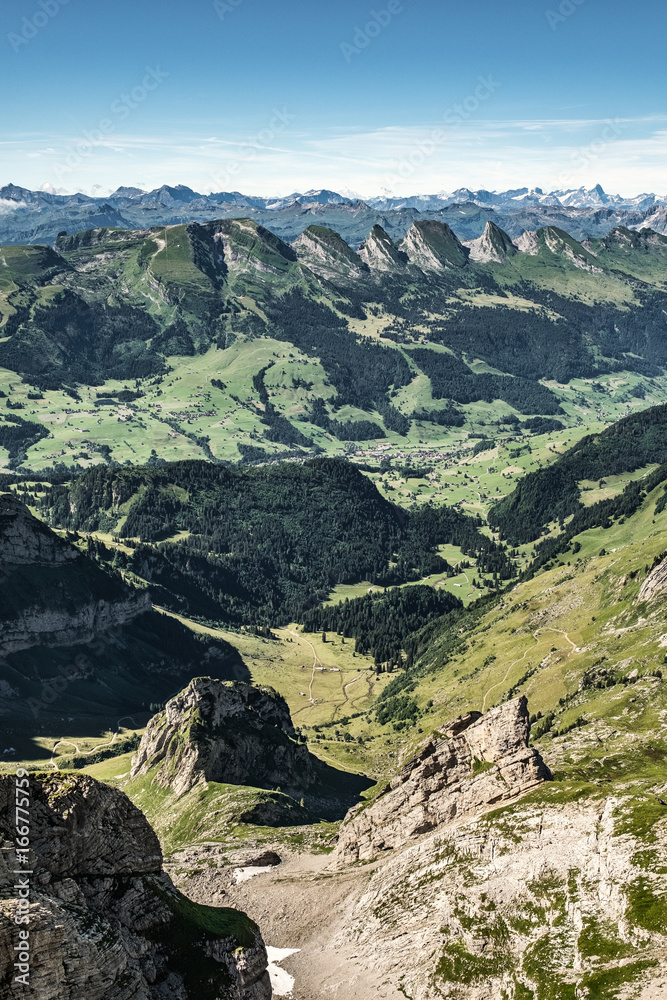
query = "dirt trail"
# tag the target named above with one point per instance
(476, 590)
(316, 660)
(548, 628)
(536, 634)
(350, 683)
(87, 753)
(512, 664)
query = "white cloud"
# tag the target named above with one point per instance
(477, 152)
(7, 205)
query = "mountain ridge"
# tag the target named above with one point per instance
(38, 216)
(106, 306)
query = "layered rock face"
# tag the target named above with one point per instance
(105, 922)
(493, 245)
(328, 255)
(50, 592)
(477, 762)
(226, 732)
(380, 253)
(76, 640)
(25, 540)
(655, 584)
(433, 246)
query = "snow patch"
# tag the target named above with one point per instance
(243, 874)
(282, 983)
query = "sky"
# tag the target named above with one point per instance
(276, 96)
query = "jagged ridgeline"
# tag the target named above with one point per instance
(116, 305)
(259, 545)
(554, 493)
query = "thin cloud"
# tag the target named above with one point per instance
(478, 152)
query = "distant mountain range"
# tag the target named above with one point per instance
(33, 217)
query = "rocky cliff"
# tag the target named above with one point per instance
(25, 540)
(325, 253)
(105, 922)
(380, 253)
(546, 900)
(78, 641)
(655, 584)
(493, 245)
(225, 732)
(432, 246)
(475, 762)
(37, 606)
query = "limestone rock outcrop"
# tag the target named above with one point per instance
(493, 245)
(228, 732)
(655, 584)
(105, 922)
(380, 252)
(25, 540)
(433, 246)
(328, 255)
(475, 762)
(537, 902)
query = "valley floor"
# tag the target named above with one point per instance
(300, 905)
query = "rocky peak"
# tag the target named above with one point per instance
(528, 242)
(380, 252)
(107, 921)
(326, 253)
(214, 702)
(561, 244)
(433, 246)
(493, 245)
(475, 762)
(228, 732)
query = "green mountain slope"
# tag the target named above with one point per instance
(143, 311)
(260, 545)
(553, 493)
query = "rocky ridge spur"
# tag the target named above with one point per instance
(475, 762)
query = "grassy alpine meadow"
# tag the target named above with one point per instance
(183, 414)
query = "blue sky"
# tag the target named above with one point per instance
(273, 96)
